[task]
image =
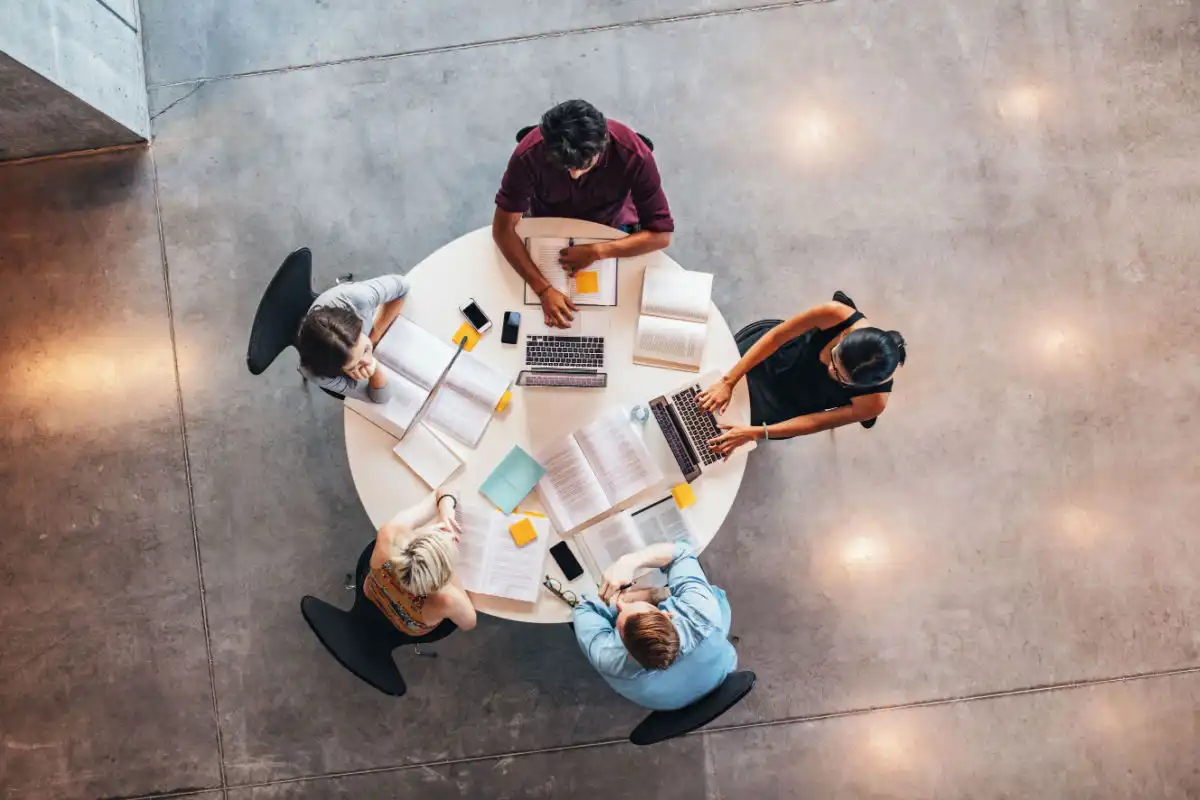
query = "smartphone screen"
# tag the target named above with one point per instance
(474, 314)
(566, 561)
(512, 323)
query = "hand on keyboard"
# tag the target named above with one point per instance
(733, 437)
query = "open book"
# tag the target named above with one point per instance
(595, 468)
(673, 325)
(628, 532)
(594, 286)
(413, 358)
(489, 561)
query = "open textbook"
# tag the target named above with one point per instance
(595, 468)
(673, 325)
(489, 561)
(627, 532)
(413, 358)
(595, 285)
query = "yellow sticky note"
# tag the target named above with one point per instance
(683, 494)
(522, 532)
(587, 283)
(503, 404)
(466, 330)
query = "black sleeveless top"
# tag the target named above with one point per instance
(793, 381)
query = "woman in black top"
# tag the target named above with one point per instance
(818, 370)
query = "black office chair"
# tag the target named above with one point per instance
(663, 725)
(521, 134)
(283, 305)
(362, 639)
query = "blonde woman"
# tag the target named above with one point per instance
(411, 567)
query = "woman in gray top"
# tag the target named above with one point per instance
(337, 338)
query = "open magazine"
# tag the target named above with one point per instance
(597, 467)
(489, 561)
(627, 532)
(412, 359)
(673, 326)
(595, 285)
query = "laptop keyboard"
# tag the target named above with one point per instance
(679, 448)
(701, 425)
(565, 352)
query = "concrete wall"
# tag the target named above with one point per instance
(89, 50)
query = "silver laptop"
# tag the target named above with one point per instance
(687, 429)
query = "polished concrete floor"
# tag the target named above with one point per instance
(993, 594)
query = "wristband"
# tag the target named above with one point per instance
(452, 497)
(766, 433)
(543, 291)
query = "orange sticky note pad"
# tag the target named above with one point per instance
(587, 283)
(522, 532)
(503, 404)
(466, 330)
(683, 494)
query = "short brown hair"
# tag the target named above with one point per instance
(651, 638)
(326, 339)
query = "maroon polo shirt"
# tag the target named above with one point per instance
(623, 188)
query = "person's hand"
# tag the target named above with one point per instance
(578, 257)
(557, 308)
(616, 576)
(734, 436)
(715, 398)
(363, 373)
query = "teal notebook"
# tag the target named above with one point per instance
(512, 480)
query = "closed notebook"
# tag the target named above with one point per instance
(512, 480)
(428, 456)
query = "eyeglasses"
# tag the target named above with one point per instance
(556, 589)
(837, 373)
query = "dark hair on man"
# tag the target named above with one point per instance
(326, 339)
(575, 133)
(652, 640)
(871, 355)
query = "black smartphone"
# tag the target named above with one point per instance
(512, 323)
(474, 314)
(566, 561)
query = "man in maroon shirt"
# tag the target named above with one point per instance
(578, 164)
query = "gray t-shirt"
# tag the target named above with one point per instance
(363, 298)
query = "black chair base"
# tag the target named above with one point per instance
(663, 725)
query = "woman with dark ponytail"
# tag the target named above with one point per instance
(818, 370)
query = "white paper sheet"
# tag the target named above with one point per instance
(569, 489)
(427, 456)
(489, 561)
(618, 457)
(677, 293)
(669, 343)
(545, 254)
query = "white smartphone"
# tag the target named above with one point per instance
(474, 314)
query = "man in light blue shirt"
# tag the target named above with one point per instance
(660, 653)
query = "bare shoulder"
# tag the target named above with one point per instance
(831, 313)
(871, 404)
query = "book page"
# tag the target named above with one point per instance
(669, 342)
(569, 489)
(618, 457)
(427, 456)
(677, 293)
(397, 413)
(663, 522)
(483, 384)
(545, 255)
(472, 564)
(414, 352)
(608, 540)
(457, 416)
(515, 572)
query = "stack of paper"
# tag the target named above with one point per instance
(606, 541)
(595, 285)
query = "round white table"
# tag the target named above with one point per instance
(472, 266)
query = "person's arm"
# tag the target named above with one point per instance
(556, 306)
(716, 397)
(384, 319)
(459, 610)
(646, 594)
(623, 570)
(596, 632)
(640, 243)
(861, 409)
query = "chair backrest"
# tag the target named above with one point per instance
(362, 639)
(663, 725)
(282, 307)
(521, 134)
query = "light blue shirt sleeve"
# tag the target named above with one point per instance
(596, 632)
(692, 596)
